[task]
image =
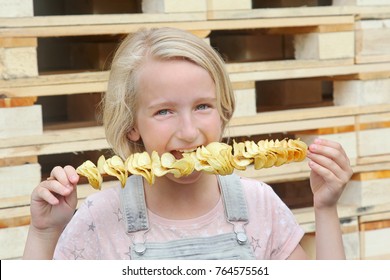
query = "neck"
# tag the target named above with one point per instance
(172, 199)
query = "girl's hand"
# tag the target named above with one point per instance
(330, 172)
(54, 201)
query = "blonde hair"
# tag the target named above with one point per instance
(120, 100)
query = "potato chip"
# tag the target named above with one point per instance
(89, 170)
(115, 167)
(215, 158)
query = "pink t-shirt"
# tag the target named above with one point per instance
(97, 230)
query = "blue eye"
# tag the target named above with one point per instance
(162, 112)
(202, 107)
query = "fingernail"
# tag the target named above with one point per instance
(74, 178)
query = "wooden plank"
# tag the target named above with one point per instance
(173, 6)
(308, 113)
(372, 160)
(56, 148)
(362, 2)
(373, 175)
(286, 65)
(16, 8)
(304, 73)
(372, 41)
(18, 42)
(372, 59)
(13, 241)
(320, 46)
(366, 193)
(245, 102)
(55, 136)
(361, 92)
(371, 143)
(18, 161)
(14, 29)
(360, 11)
(254, 129)
(232, 5)
(19, 180)
(97, 20)
(17, 101)
(18, 62)
(20, 121)
(375, 244)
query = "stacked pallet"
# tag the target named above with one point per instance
(302, 68)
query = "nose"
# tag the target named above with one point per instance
(187, 130)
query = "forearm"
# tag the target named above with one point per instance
(329, 243)
(40, 245)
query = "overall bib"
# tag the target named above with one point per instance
(234, 245)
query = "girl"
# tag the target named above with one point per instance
(168, 91)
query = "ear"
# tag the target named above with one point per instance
(133, 135)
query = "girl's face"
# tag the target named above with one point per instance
(176, 107)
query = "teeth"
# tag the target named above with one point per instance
(187, 151)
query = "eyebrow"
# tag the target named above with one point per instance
(170, 104)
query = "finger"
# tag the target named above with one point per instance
(327, 168)
(59, 174)
(330, 149)
(48, 192)
(71, 199)
(56, 187)
(72, 175)
(331, 144)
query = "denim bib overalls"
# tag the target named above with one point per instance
(233, 245)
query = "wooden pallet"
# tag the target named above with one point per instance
(321, 44)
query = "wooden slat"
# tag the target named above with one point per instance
(13, 28)
(18, 42)
(17, 101)
(18, 161)
(304, 73)
(98, 20)
(362, 12)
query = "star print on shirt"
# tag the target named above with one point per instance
(77, 253)
(89, 203)
(119, 215)
(91, 227)
(255, 244)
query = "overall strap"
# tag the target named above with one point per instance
(134, 205)
(233, 198)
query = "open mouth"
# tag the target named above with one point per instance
(178, 154)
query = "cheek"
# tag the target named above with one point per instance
(154, 136)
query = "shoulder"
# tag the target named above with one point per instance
(259, 194)
(252, 186)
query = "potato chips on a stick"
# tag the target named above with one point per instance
(215, 158)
